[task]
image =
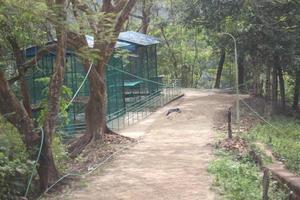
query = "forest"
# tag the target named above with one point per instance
(75, 73)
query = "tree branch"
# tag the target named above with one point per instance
(124, 15)
(136, 16)
(119, 5)
(107, 6)
(33, 61)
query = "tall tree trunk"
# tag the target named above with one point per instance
(274, 88)
(146, 12)
(220, 69)
(94, 112)
(256, 76)
(20, 62)
(16, 114)
(96, 107)
(281, 79)
(173, 57)
(47, 170)
(296, 90)
(97, 103)
(268, 82)
(195, 58)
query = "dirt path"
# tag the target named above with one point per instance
(171, 160)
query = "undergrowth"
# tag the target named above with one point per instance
(284, 140)
(16, 165)
(238, 178)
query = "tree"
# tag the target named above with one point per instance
(17, 32)
(47, 170)
(104, 23)
(220, 69)
(143, 13)
(264, 31)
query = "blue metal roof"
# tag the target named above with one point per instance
(119, 44)
(31, 51)
(127, 40)
(138, 38)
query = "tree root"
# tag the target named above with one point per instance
(108, 131)
(79, 145)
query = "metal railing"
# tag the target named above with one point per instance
(134, 112)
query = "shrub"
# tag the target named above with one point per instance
(284, 141)
(15, 165)
(240, 179)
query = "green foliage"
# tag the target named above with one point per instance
(15, 164)
(240, 179)
(194, 57)
(66, 95)
(19, 18)
(284, 142)
(60, 153)
(59, 149)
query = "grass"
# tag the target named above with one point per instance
(240, 179)
(284, 140)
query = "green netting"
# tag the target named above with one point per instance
(115, 87)
(123, 90)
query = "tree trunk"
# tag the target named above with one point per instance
(281, 82)
(220, 69)
(146, 12)
(296, 90)
(20, 62)
(16, 114)
(268, 82)
(173, 58)
(256, 76)
(195, 58)
(96, 107)
(47, 169)
(274, 88)
(95, 113)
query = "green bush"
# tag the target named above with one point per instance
(240, 179)
(284, 142)
(60, 153)
(15, 165)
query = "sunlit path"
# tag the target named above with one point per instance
(171, 160)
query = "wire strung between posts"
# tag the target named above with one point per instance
(135, 76)
(254, 111)
(87, 173)
(81, 85)
(260, 117)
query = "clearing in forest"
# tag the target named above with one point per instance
(171, 159)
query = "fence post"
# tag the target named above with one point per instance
(266, 183)
(229, 124)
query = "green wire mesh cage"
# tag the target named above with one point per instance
(132, 82)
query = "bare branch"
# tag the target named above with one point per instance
(119, 5)
(107, 6)
(136, 16)
(124, 15)
(33, 61)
